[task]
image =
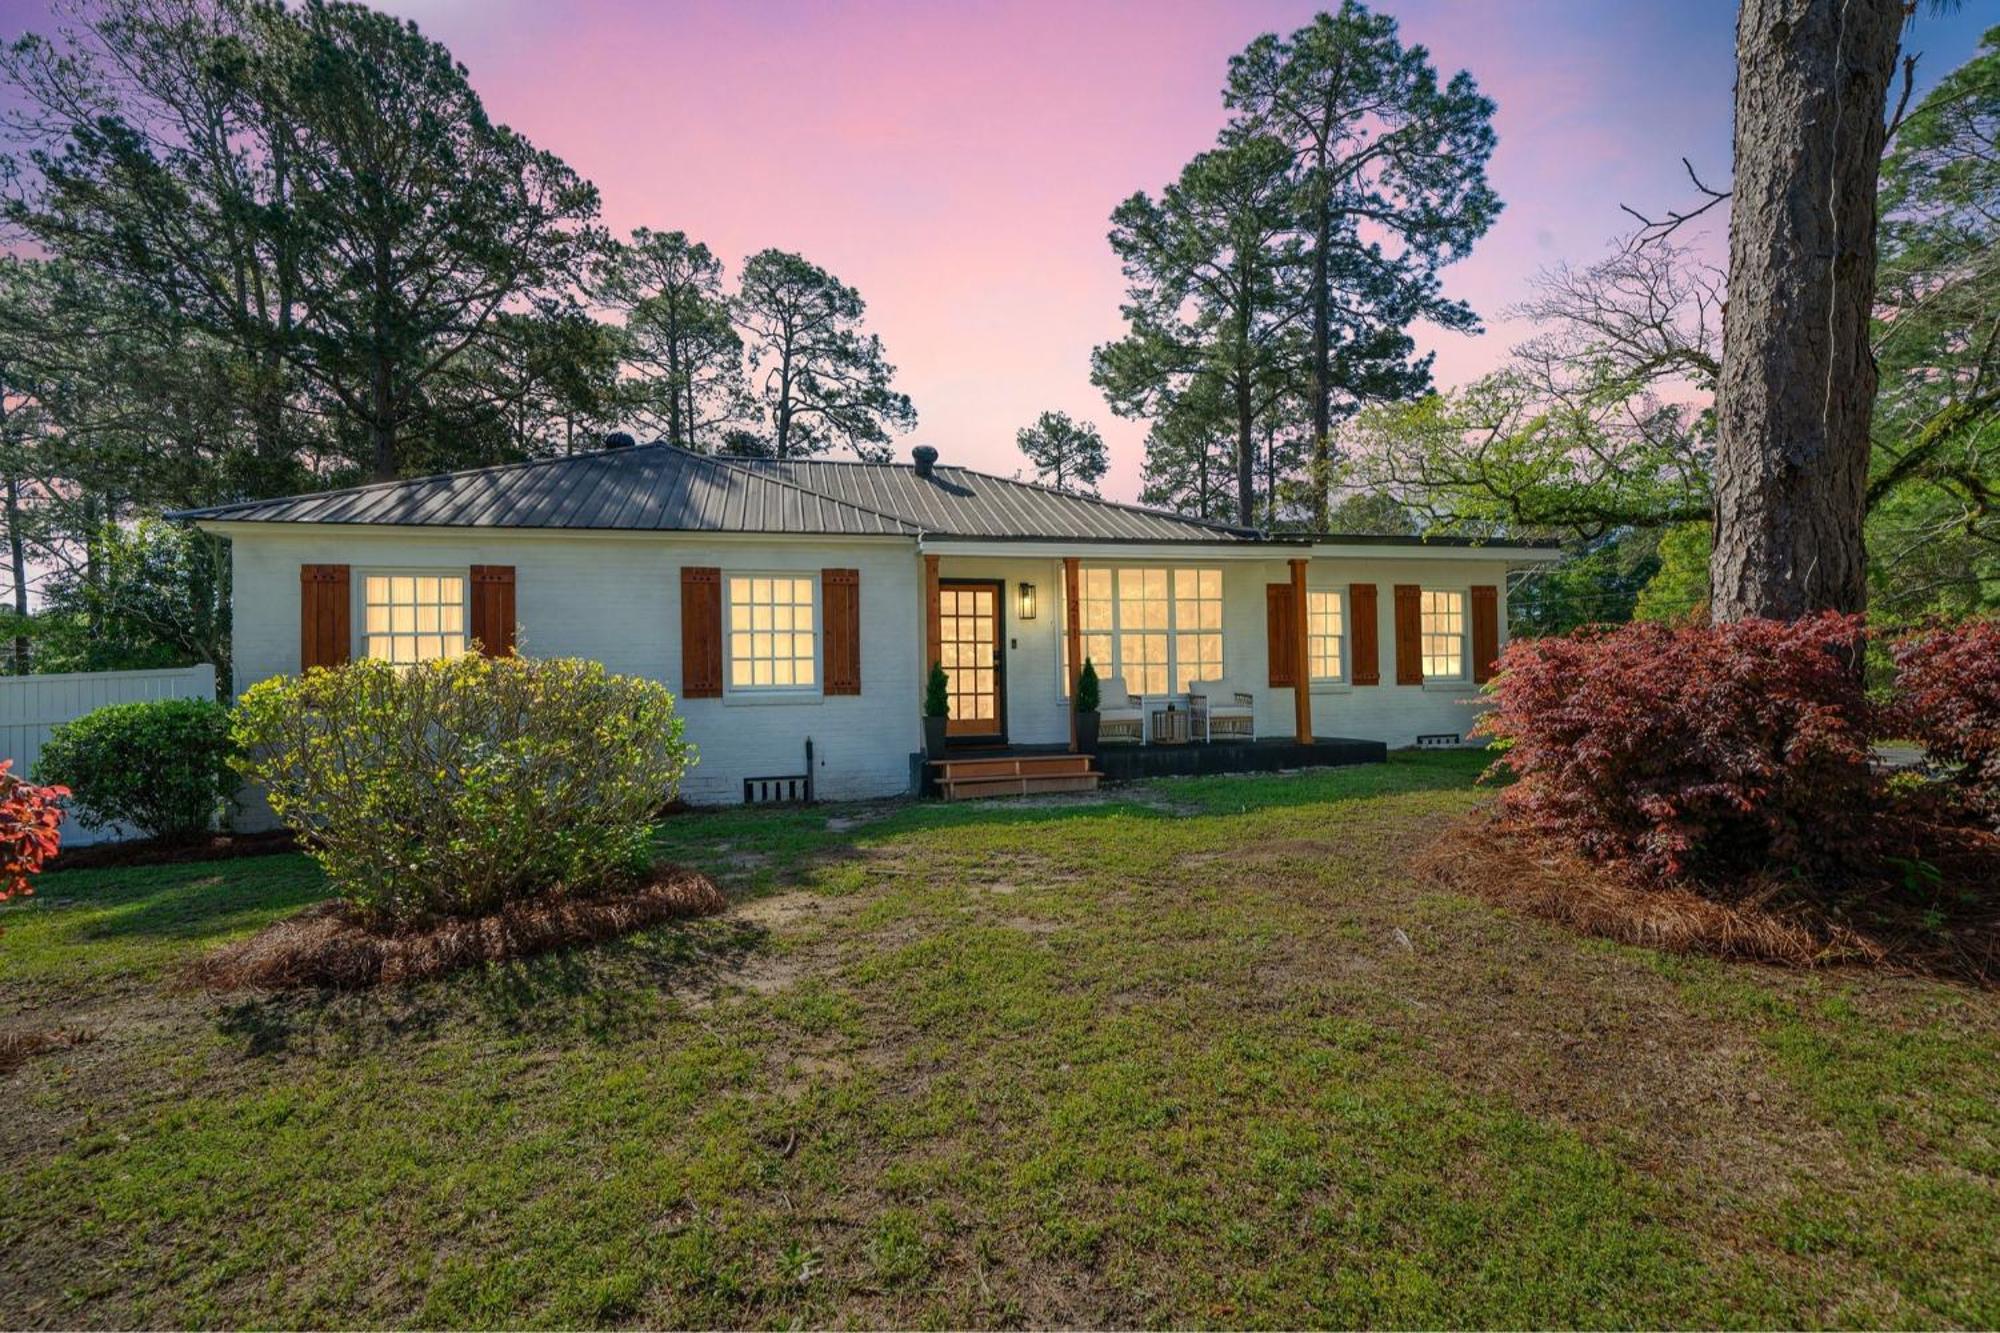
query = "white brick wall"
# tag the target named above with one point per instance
(1397, 714)
(616, 598)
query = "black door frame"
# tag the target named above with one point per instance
(999, 587)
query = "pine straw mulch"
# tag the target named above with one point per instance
(1768, 920)
(17, 1048)
(327, 945)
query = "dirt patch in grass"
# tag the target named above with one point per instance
(326, 946)
(1767, 921)
(151, 852)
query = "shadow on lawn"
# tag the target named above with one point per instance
(189, 901)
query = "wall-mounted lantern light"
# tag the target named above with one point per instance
(1027, 607)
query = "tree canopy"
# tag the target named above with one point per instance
(822, 381)
(1067, 455)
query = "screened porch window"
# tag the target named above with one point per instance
(1158, 629)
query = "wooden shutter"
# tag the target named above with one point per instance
(1485, 631)
(1409, 634)
(1281, 630)
(326, 626)
(841, 643)
(1365, 646)
(701, 633)
(493, 609)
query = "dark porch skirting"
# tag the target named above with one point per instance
(1120, 763)
(1124, 763)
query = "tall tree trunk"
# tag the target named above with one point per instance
(17, 544)
(381, 387)
(784, 414)
(1246, 415)
(677, 432)
(1322, 352)
(1798, 378)
(381, 430)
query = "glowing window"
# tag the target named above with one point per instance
(1157, 629)
(413, 617)
(1444, 635)
(773, 636)
(1325, 635)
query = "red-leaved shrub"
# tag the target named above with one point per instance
(29, 819)
(1948, 701)
(1696, 750)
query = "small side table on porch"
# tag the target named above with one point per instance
(1171, 726)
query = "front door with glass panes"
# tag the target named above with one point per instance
(969, 629)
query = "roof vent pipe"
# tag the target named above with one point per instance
(925, 458)
(618, 439)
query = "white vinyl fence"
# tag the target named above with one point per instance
(32, 706)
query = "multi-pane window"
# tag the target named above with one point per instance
(1197, 626)
(1325, 634)
(1157, 629)
(773, 638)
(413, 617)
(1443, 630)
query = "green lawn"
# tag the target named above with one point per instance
(1198, 1053)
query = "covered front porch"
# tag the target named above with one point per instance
(1162, 627)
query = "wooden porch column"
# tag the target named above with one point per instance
(932, 637)
(1073, 631)
(1301, 655)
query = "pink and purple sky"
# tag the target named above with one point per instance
(957, 162)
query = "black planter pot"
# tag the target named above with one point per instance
(1086, 732)
(934, 737)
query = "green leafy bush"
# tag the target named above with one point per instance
(1088, 692)
(457, 786)
(162, 766)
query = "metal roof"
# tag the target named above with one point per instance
(657, 487)
(646, 488)
(661, 488)
(959, 502)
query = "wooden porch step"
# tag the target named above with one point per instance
(967, 789)
(1012, 766)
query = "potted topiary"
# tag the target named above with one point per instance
(937, 705)
(1087, 699)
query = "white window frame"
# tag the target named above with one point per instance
(1464, 673)
(358, 602)
(1172, 631)
(817, 632)
(1341, 640)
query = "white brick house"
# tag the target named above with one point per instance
(791, 600)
